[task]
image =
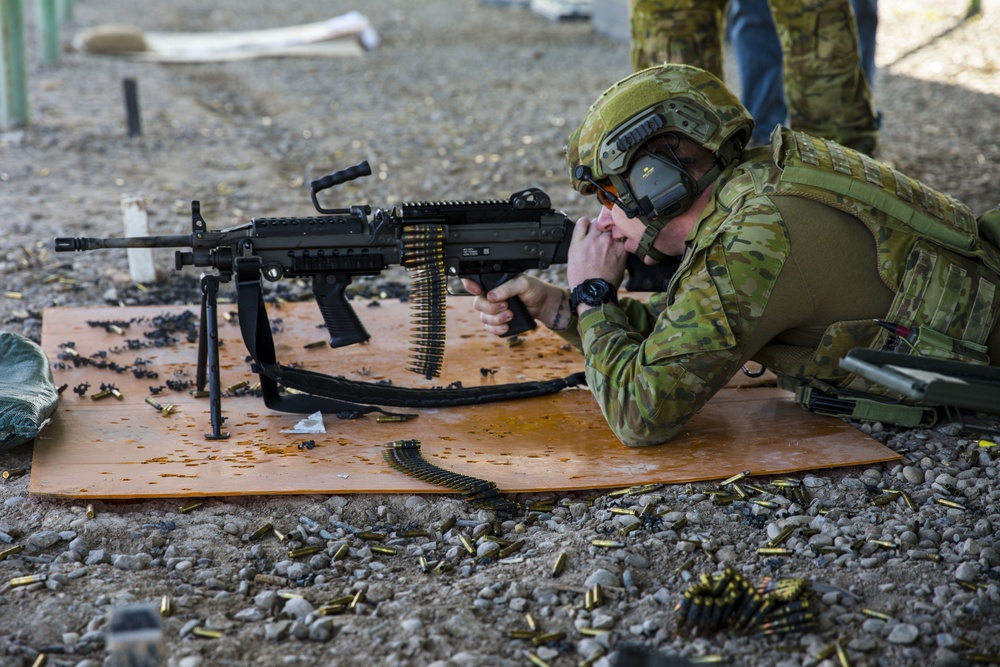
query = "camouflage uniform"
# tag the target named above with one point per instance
(826, 90)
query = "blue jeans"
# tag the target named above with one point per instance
(751, 30)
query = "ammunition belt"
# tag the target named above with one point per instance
(405, 456)
(729, 601)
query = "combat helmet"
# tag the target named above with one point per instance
(608, 146)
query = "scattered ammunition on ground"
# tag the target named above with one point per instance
(607, 544)
(285, 595)
(442, 567)
(14, 473)
(756, 489)
(41, 660)
(625, 530)
(280, 535)
(826, 652)
(884, 543)
(739, 491)
(885, 498)
(190, 508)
(597, 596)
(560, 564)
(593, 632)
(385, 419)
(765, 503)
(522, 634)
(532, 623)
(535, 660)
(842, 655)
(358, 597)
(331, 609)
(422, 563)
(262, 531)
(735, 478)
(467, 544)
(379, 549)
(151, 401)
(447, 524)
(680, 523)
(508, 550)
(207, 633)
(314, 344)
(780, 538)
(416, 532)
(686, 565)
(304, 551)
(548, 638)
(341, 552)
(949, 503)
(7, 553)
(90, 512)
(623, 510)
(165, 607)
(908, 499)
(774, 551)
(871, 613)
(481, 530)
(341, 601)
(370, 536)
(28, 580)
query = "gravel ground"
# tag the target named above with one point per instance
(462, 100)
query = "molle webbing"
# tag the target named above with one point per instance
(873, 192)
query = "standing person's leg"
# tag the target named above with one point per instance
(866, 16)
(827, 93)
(758, 57)
(677, 31)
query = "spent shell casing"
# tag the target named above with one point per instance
(151, 401)
(781, 537)
(871, 613)
(304, 551)
(597, 596)
(165, 606)
(387, 419)
(884, 543)
(358, 597)
(521, 634)
(341, 552)
(28, 580)
(314, 344)
(280, 535)
(416, 532)
(199, 393)
(262, 531)
(593, 632)
(908, 499)
(532, 623)
(535, 660)
(842, 655)
(239, 385)
(13, 473)
(826, 652)
(623, 510)
(380, 549)
(104, 393)
(735, 478)
(207, 633)
(774, 551)
(508, 550)
(190, 508)
(607, 544)
(560, 564)
(949, 503)
(342, 601)
(331, 609)
(368, 535)
(548, 637)
(41, 660)
(90, 512)
(625, 530)
(7, 553)
(686, 565)
(467, 545)
(765, 503)
(739, 491)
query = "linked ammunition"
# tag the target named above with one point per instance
(559, 565)
(548, 638)
(7, 553)
(165, 607)
(13, 473)
(305, 551)
(262, 531)
(207, 633)
(190, 508)
(735, 478)
(379, 549)
(28, 580)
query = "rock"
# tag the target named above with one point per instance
(904, 633)
(43, 539)
(276, 631)
(604, 578)
(132, 562)
(297, 608)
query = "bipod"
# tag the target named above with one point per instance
(208, 353)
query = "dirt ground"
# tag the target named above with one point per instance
(462, 100)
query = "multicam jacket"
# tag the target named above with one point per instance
(750, 287)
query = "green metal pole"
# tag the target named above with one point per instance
(66, 11)
(13, 68)
(47, 31)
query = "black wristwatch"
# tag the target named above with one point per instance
(593, 292)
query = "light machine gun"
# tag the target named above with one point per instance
(489, 242)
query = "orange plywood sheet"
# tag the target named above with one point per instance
(125, 449)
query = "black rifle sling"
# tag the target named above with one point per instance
(332, 394)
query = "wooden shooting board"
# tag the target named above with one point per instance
(110, 448)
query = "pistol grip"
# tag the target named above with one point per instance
(522, 320)
(341, 321)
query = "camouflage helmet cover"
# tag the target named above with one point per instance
(688, 101)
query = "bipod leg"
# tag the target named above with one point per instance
(208, 354)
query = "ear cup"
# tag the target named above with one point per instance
(659, 187)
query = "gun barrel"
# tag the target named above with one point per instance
(82, 243)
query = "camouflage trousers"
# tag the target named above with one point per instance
(825, 87)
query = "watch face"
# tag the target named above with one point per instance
(594, 289)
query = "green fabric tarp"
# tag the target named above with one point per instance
(28, 396)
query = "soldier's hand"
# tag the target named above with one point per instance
(594, 252)
(545, 302)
